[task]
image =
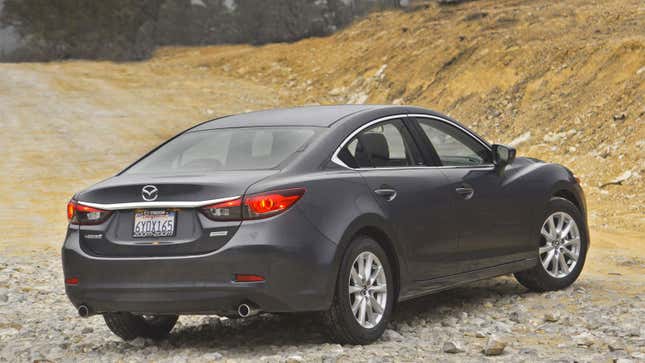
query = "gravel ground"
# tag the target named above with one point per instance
(600, 318)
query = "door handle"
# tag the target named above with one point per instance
(387, 194)
(465, 192)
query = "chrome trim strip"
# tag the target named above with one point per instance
(452, 124)
(339, 162)
(135, 205)
(334, 157)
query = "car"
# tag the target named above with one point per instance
(343, 211)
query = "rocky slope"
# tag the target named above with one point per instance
(564, 82)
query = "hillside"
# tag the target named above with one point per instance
(564, 82)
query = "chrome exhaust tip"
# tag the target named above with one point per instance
(246, 310)
(83, 311)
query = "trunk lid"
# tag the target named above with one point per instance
(178, 197)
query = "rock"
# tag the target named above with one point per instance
(452, 347)
(517, 316)
(138, 342)
(337, 91)
(520, 139)
(392, 336)
(450, 321)
(494, 346)
(620, 116)
(552, 317)
(87, 330)
(294, 359)
(584, 339)
(619, 179)
(211, 357)
(380, 74)
(615, 346)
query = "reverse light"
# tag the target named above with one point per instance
(82, 214)
(254, 206)
(225, 211)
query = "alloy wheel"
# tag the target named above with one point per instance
(560, 244)
(367, 289)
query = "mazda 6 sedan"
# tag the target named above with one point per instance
(341, 210)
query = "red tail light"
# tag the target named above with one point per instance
(72, 281)
(82, 214)
(254, 206)
(270, 203)
(248, 278)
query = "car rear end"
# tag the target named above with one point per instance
(177, 233)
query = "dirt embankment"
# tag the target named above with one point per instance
(564, 81)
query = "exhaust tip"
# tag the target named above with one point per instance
(246, 310)
(83, 311)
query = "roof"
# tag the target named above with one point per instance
(321, 116)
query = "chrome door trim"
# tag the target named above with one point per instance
(339, 162)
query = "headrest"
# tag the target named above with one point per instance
(372, 149)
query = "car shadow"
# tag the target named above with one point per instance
(301, 329)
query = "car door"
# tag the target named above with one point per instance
(489, 208)
(415, 199)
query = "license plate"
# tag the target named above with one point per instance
(154, 223)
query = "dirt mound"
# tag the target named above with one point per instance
(565, 82)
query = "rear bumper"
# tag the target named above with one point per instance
(298, 267)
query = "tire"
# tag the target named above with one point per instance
(343, 326)
(541, 278)
(129, 326)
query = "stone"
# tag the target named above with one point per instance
(452, 347)
(390, 335)
(494, 346)
(552, 317)
(294, 359)
(212, 357)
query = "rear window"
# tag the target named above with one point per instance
(248, 148)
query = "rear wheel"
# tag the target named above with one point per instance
(129, 326)
(364, 294)
(562, 250)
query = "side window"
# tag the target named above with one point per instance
(381, 145)
(453, 146)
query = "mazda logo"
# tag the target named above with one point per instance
(149, 193)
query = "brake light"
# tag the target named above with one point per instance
(270, 203)
(82, 214)
(255, 206)
(225, 211)
(72, 281)
(248, 278)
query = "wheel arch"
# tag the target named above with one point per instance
(375, 227)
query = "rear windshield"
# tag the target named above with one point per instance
(249, 148)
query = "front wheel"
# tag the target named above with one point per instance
(562, 250)
(129, 326)
(364, 294)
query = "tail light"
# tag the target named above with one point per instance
(225, 211)
(271, 203)
(81, 214)
(255, 206)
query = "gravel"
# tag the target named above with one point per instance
(598, 319)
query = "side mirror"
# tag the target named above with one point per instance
(503, 155)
